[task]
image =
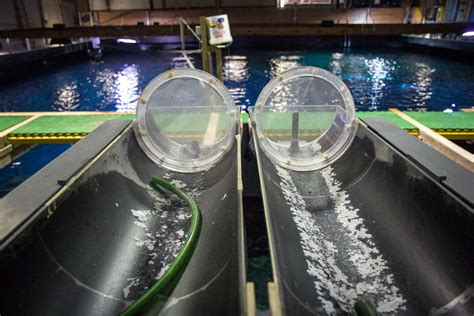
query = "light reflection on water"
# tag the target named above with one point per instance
(422, 84)
(236, 72)
(377, 79)
(336, 63)
(118, 88)
(180, 62)
(126, 89)
(104, 84)
(283, 63)
(379, 70)
(236, 68)
(67, 97)
(282, 96)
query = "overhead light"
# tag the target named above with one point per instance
(126, 41)
(469, 33)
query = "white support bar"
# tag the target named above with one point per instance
(439, 143)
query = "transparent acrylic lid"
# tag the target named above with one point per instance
(305, 118)
(186, 120)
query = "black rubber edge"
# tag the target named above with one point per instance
(17, 207)
(456, 178)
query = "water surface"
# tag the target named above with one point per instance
(378, 80)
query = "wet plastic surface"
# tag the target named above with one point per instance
(110, 237)
(372, 226)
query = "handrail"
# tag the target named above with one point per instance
(178, 265)
(182, 20)
(188, 61)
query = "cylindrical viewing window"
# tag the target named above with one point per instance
(186, 120)
(305, 118)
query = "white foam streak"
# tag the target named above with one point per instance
(369, 271)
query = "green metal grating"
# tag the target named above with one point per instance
(83, 124)
(190, 122)
(445, 121)
(9, 121)
(308, 121)
(74, 124)
(392, 117)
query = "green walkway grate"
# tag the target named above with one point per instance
(74, 124)
(9, 121)
(392, 117)
(445, 121)
(50, 127)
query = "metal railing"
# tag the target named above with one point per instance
(182, 25)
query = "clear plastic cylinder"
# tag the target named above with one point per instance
(305, 119)
(186, 120)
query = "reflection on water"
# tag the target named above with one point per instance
(181, 62)
(236, 68)
(126, 89)
(378, 79)
(281, 98)
(120, 89)
(236, 72)
(422, 84)
(283, 95)
(67, 97)
(105, 84)
(379, 70)
(336, 64)
(283, 63)
(240, 96)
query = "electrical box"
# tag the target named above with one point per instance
(219, 30)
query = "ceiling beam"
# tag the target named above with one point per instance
(244, 29)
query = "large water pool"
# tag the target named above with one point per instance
(378, 79)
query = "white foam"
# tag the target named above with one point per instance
(140, 224)
(131, 283)
(138, 241)
(366, 258)
(332, 284)
(178, 183)
(162, 272)
(141, 215)
(164, 238)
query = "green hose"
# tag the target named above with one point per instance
(363, 307)
(161, 287)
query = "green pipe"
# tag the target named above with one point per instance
(160, 288)
(364, 307)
